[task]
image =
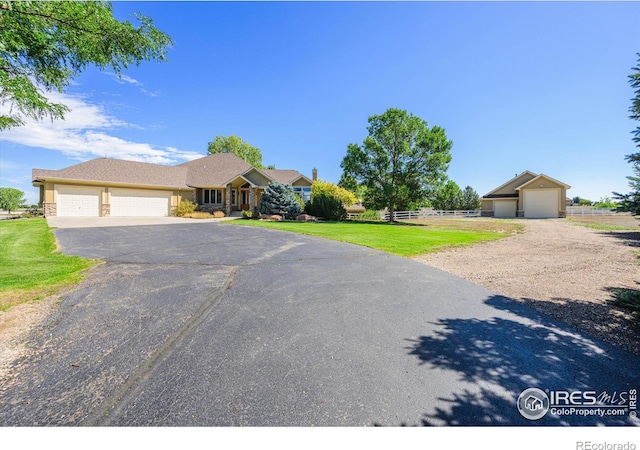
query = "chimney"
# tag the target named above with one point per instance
(314, 174)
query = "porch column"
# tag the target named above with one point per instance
(227, 200)
(252, 200)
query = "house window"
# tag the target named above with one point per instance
(303, 192)
(212, 196)
(233, 197)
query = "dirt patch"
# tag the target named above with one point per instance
(16, 324)
(560, 268)
(624, 220)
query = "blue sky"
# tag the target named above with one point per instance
(539, 86)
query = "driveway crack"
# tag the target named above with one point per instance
(101, 416)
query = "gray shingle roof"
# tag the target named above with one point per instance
(119, 171)
(214, 170)
(283, 175)
(209, 171)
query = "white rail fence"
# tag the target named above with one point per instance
(573, 211)
(422, 214)
(431, 213)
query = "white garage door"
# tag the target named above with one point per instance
(504, 208)
(541, 203)
(140, 203)
(74, 201)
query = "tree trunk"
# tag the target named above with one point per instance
(391, 211)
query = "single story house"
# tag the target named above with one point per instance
(527, 195)
(114, 187)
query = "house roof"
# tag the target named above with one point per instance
(284, 176)
(118, 171)
(214, 170)
(524, 174)
(209, 171)
(540, 177)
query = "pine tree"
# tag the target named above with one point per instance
(279, 199)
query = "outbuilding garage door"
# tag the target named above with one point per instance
(76, 201)
(541, 203)
(504, 208)
(140, 203)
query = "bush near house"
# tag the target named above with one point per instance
(184, 208)
(326, 207)
(320, 187)
(279, 199)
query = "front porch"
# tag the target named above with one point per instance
(241, 197)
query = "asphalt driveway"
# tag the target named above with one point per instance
(213, 324)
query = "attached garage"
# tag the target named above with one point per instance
(77, 201)
(541, 203)
(140, 203)
(505, 208)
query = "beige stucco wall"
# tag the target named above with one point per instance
(511, 187)
(257, 178)
(302, 183)
(48, 194)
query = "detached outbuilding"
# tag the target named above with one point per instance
(527, 195)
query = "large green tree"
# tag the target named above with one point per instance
(470, 199)
(11, 199)
(237, 146)
(448, 197)
(45, 44)
(399, 161)
(631, 202)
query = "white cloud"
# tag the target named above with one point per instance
(84, 134)
(122, 79)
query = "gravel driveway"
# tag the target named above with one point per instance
(562, 269)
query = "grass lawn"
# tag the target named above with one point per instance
(403, 239)
(30, 266)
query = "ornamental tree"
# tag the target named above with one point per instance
(279, 198)
(320, 187)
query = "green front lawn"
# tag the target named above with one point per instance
(30, 266)
(399, 239)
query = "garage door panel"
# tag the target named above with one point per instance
(76, 201)
(140, 203)
(541, 204)
(504, 208)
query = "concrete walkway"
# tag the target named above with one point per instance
(97, 222)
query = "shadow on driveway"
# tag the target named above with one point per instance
(486, 354)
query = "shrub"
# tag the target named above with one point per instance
(198, 215)
(184, 208)
(628, 299)
(326, 207)
(320, 187)
(218, 214)
(279, 199)
(246, 214)
(369, 214)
